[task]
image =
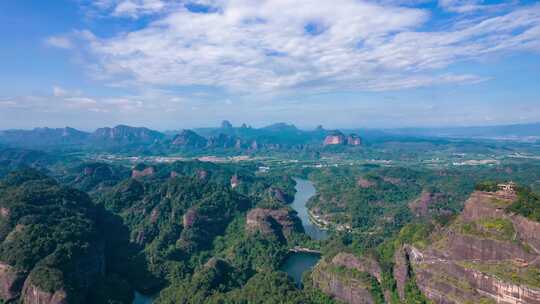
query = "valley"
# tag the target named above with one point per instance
(323, 222)
(270, 152)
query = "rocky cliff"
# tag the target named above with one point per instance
(349, 278)
(338, 138)
(279, 222)
(487, 254)
(11, 281)
(335, 138)
(354, 140)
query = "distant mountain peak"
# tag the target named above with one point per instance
(226, 124)
(281, 126)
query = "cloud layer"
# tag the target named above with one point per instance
(280, 45)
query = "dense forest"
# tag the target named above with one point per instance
(190, 231)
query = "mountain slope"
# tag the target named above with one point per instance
(489, 253)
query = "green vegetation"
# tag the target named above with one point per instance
(527, 204)
(181, 229)
(53, 234)
(508, 271)
(413, 295)
(494, 228)
(487, 186)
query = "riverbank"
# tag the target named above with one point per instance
(321, 223)
(304, 191)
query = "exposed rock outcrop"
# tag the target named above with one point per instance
(32, 294)
(401, 270)
(486, 253)
(11, 282)
(362, 264)
(190, 217)
(148, 171)
(420, 206)
(335, 138)
(235, 181)
(338, 138)
(202, 175)
(341, 279)
(354, 140)
(279, 222)
(279, 195)
(364, 183)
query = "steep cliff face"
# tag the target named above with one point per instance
(33, 294)
(354, 140)
(401, 271)
(486, 254)
(421, 206)
(362, 264)
(335, 138)
(148, 171)
(11, 282)
(280, 222)
(349, 278)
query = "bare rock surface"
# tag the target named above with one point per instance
(280, 222)
(486, 254)
(340, 285)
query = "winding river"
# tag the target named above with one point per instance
(299, 262)
(304, 191)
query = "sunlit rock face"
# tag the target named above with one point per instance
(486, 254)
(148, 171)
(335, 138)
(341, 277)
(11, 282)
(338, 138)
(279, 222)
(354, 140)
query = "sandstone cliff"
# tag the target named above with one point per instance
(11, 282)
(279, 222)
(349, 278)
(486, 254)
(32, 294)
(335, 138)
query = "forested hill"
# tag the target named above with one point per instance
(179, 226)
(53, 244)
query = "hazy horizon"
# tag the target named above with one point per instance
(304, 128)
(342, 64)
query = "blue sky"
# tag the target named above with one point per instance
(342, 63)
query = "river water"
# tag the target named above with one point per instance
(297, 263)
(304, 191)
(142, 299)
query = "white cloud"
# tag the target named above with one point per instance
(468, 6)
(135, 8)
(280, 45)
(59, 42)
(128, 8)
(59, 92)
